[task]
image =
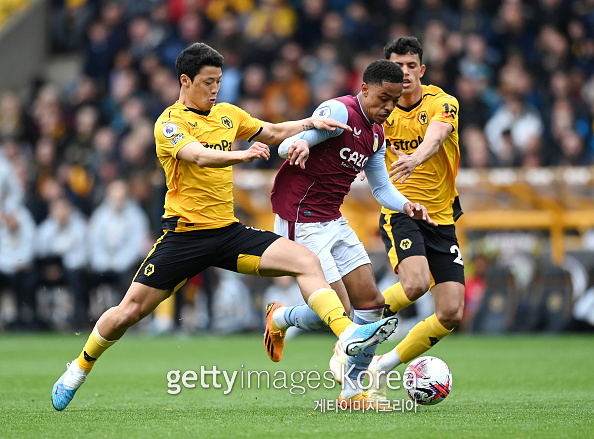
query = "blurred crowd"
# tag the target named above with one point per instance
(81, 190)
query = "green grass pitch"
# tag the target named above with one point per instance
(513, 386)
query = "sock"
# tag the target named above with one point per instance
(421, 338)
(396, 299)
(93, 349)
(327, 305)
(300, 316)
(356, 366)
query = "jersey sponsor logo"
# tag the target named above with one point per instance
(223, 146)
(324, 112)
(227, 123)
(356, 132)
(177, 139)
(404, 145)
(423, 118)
(149, 269)
(354, 159)
(405, 244)
(170, 130)
(375, 142)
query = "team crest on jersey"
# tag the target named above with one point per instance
(149, 269)
(423, 118)
(324, 112)
(375, 142)
(228, 123)
(170, 130)
(405, 244)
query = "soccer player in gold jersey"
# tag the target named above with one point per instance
(194, 143)
(422, 155)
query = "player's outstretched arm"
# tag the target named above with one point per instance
(275, 133)
(437, 133)
(196, 153)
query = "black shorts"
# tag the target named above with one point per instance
(179, 256)
(404, 237)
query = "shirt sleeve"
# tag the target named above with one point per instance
(171, 135)
(381, 187)
(445, 108)
(331, 109)
(249, 127)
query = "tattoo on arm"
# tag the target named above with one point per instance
(307, 126)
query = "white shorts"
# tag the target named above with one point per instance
(334, 242)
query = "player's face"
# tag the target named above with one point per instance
(202, 91)
(413, 72)
(379, 100)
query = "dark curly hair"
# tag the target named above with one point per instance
(404, 46)
(382, 70)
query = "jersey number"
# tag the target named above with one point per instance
(455, 249)
(452, 110)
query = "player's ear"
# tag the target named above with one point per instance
(422, 70)
(365, 89)
(185, 80)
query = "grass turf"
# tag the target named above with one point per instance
(514, 386)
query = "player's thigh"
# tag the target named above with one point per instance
(347, 250)
(317, 237)
(443, 254)
(405, 246)
(284, 257)
(177, 257)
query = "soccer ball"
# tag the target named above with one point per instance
(427, 380)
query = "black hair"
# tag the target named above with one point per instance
(404, 46)
(382, 70)
(194, 57)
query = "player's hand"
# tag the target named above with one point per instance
(402, 168)
(418, 211)
(325, 123)
(257, 150)
(298, 153)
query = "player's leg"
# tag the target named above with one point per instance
(368, 306)
(447, 270)
(155, 280)
(319, 238)
(140, 300)
(284, 257)
(405, 245)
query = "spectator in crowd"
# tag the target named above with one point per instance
(17, 262)
(118, 233)
(62, 244)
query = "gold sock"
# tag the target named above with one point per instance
(421, 338)
(396, 298)
(94, 347)
(327, 305)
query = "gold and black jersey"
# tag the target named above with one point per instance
(197, 197)
(433, 183)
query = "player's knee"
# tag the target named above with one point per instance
(307, 262)
(450, 316)
(128, 315)
(415, 288)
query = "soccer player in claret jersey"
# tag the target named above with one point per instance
(307, 200)
(422, 157)
(194, 142)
